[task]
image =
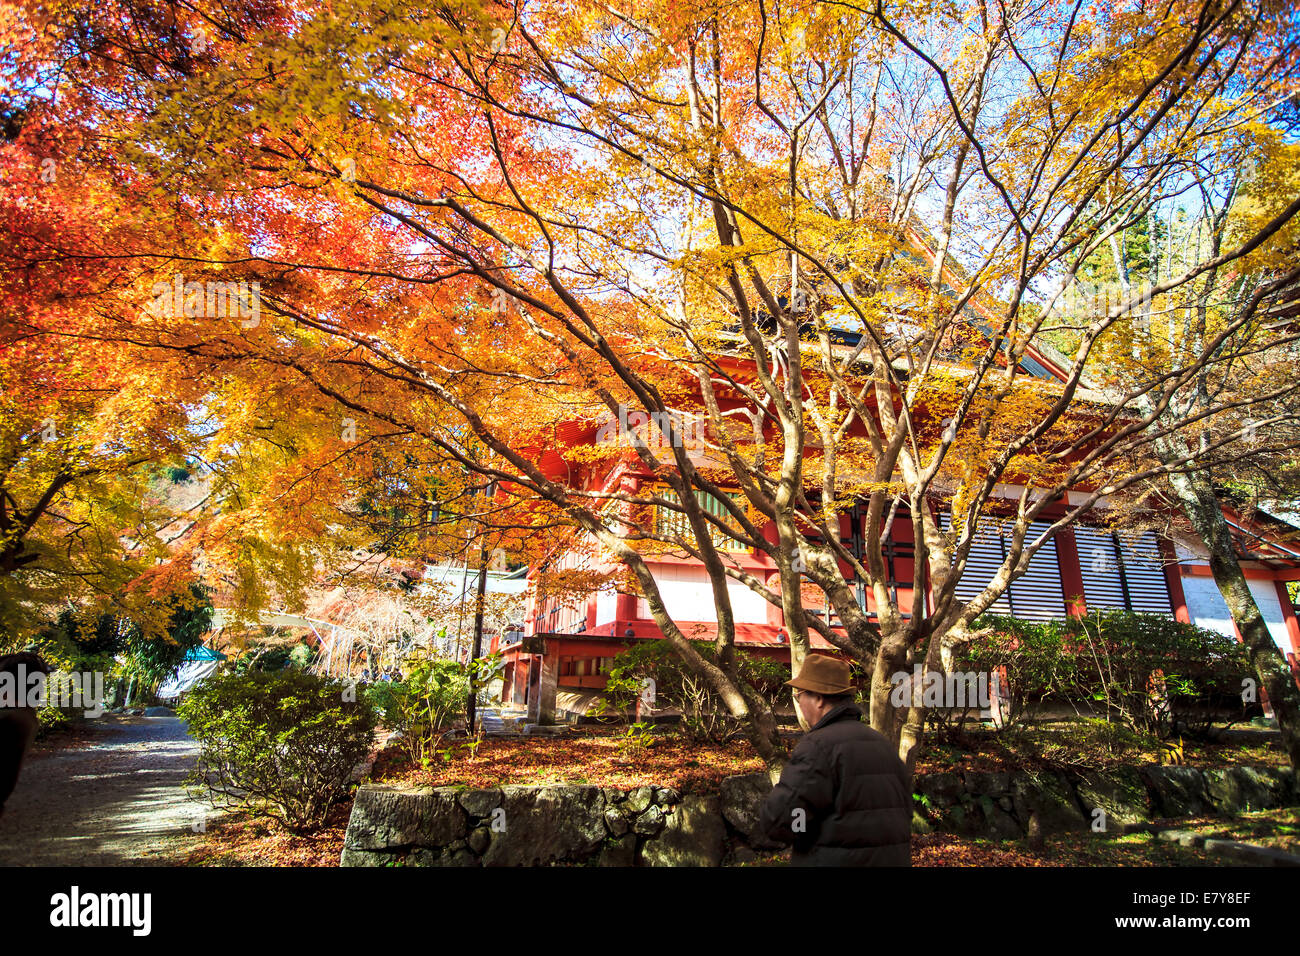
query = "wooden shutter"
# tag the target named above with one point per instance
(669, 523)
(1037, 595)
(982, 563)
(1122, 571)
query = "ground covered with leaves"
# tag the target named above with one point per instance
(241, 839)
(602, 759)
(1277, 829)
(610, 758)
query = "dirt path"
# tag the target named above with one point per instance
(117, 800)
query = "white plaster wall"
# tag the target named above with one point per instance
(1208, 610)
(1205, 605)
(1265, 595)
(687, 596)
(606, 606)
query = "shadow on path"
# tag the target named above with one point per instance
(120, 801)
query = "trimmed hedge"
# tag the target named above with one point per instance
(280, 744)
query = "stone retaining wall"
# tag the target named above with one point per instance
(657, 826)
(1000, 805)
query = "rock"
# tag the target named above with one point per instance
(920, 824)
(640, 798)
(614, 796)
(615, 821)
(1289, 780)
(649, 822)
(392, 818)
(692, 837)
(665, 796)
(1001, 825)
(1181, 837)
(1281, 782)
(1006, 803)
(479, 840)
(547, 824)
(943, 789)
(159, 712)
(1240, 789)
(1120, 793)
(620, 852)
(1179, 791)
(354, 857)
(743, 855)
(1251, 854)
(1050, 798)
(741, 800)
(981, 783)
(479, 803)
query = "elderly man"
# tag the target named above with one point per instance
(844, 799)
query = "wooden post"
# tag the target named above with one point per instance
(477, 646)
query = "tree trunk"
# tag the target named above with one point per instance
(890, 659)
(1198, 501)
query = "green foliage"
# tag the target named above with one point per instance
(433, 693)
(1033, 653)
(280, 744)
(269, 659)
(636, 738)
(1113, 663)
(73, 643)
(704, 716)
(1082, 744)
(152, 659)
(301, 656)
(51, 719)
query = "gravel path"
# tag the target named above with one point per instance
(118, 801)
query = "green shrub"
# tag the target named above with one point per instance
(50, 720)
(704, 716)
(432, 694)
(1111, 663)
(279, 744)
(118, 647)
(1033, 653)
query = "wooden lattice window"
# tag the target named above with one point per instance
(670, 523)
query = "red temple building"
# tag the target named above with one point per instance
(558, 665)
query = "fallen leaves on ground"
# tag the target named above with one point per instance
(1278, 829)
(1064, 849)
(244, 840)
(600, 760)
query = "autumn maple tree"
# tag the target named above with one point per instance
(829, 234)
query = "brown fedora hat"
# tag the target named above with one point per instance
(823, 675)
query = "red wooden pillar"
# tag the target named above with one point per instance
(1288, 615)
(1067, 556)
(1174, 581)
(1292, 628)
